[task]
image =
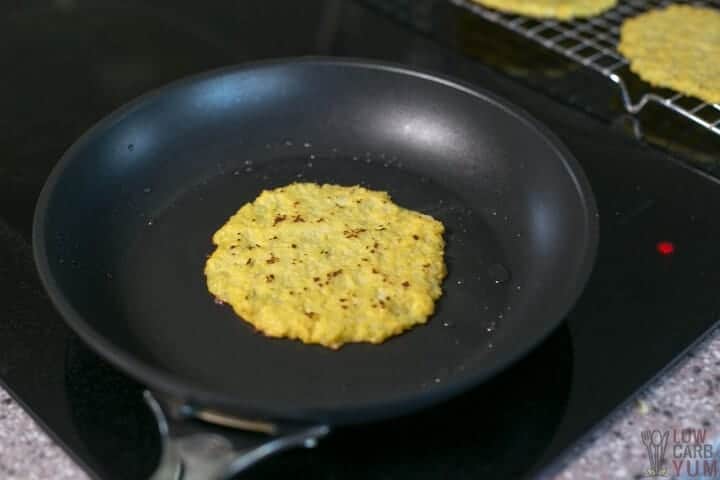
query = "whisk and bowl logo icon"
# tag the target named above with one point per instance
(686, 454)
(656, 443)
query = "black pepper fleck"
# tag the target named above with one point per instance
(272, 259)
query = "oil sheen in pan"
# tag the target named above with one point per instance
(476, 272)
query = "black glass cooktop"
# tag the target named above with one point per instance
(66, 64)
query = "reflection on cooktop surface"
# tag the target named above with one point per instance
(471, 436)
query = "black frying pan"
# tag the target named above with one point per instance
(123, 227)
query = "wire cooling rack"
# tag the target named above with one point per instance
(593, 41)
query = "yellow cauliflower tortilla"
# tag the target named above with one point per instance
(676, 47)
(328, 264)
(558, 9)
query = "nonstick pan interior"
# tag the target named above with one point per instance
(124, 225)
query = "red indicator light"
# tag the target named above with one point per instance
(665, 248)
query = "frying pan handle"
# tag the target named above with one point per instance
(193, 449)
